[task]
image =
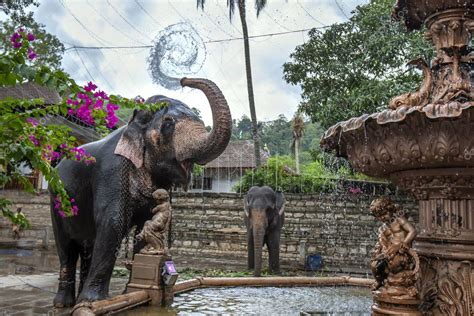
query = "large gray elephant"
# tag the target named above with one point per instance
(155, 150)
(264, 218)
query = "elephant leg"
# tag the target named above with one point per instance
(104, 254)
(250, 251)
(273, 244)
(86, 258)
(68, 253)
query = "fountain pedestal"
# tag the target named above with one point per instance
(147, 275)
(424, 143)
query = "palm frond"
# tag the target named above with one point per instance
(259, 5)
(231, 4)
(200, 3)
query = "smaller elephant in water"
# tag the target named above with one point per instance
(264, 217)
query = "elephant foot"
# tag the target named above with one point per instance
(65, 297)
(91, 295)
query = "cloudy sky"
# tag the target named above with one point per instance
(99, 23)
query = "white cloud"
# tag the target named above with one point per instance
(125, 23)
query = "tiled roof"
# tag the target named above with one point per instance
(81, 130)
(30, 91)
(237, 154)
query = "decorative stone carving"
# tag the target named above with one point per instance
(154, 231)
(395, 264)
(424, 143)
(446, 287)
(419, 98)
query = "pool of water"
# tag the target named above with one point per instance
(268, 301)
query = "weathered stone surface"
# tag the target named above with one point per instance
(210, 225)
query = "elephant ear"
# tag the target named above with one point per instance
(280, 202)
(132, 143)
(246, 206)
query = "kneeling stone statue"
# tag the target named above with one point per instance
(155, 230)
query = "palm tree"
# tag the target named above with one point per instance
(259, 5)
(298, 130)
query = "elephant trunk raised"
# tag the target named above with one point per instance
(192, 142)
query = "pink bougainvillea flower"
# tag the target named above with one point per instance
(17, 44)
(15, 38)
(34, 140)
(101, 94)
(32, 121)
(75, 210)
(99, 104)
(30, 37)
(31, 54)
(90, 87)
(355, 190)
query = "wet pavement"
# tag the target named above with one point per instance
(34, 294)
(29, 278)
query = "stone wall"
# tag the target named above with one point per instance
(36, 209)
(339, 227)
(209, 226)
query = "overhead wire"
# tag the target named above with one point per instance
(91, 33)
(205, 42)
(185, 19)
(341, 9)
(126, 21)
(276, 22)
(148, 14)
(309, 14)
(113, 25)
(84, 64)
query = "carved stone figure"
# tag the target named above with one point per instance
(428, 151)
(264, 217)
(154, 231)
(156, 149)
(420, 97)
(394, 264)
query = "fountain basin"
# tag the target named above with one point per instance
(269, 295)
(409, 138)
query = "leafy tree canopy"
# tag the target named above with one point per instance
(355, 67)
(47, 46)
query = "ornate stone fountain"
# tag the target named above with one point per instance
(424, 143)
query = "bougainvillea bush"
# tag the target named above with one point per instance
(24, 140)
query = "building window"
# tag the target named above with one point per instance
(200, 183)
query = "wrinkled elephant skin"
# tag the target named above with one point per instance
(155, 150)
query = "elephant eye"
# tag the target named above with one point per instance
(167, 126)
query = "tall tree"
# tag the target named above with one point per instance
(47, 47)
(240, 4)
(298, 129)
(355, 67)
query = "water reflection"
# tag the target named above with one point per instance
(268, 301)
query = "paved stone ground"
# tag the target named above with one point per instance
(29, 278)
(34, 294)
